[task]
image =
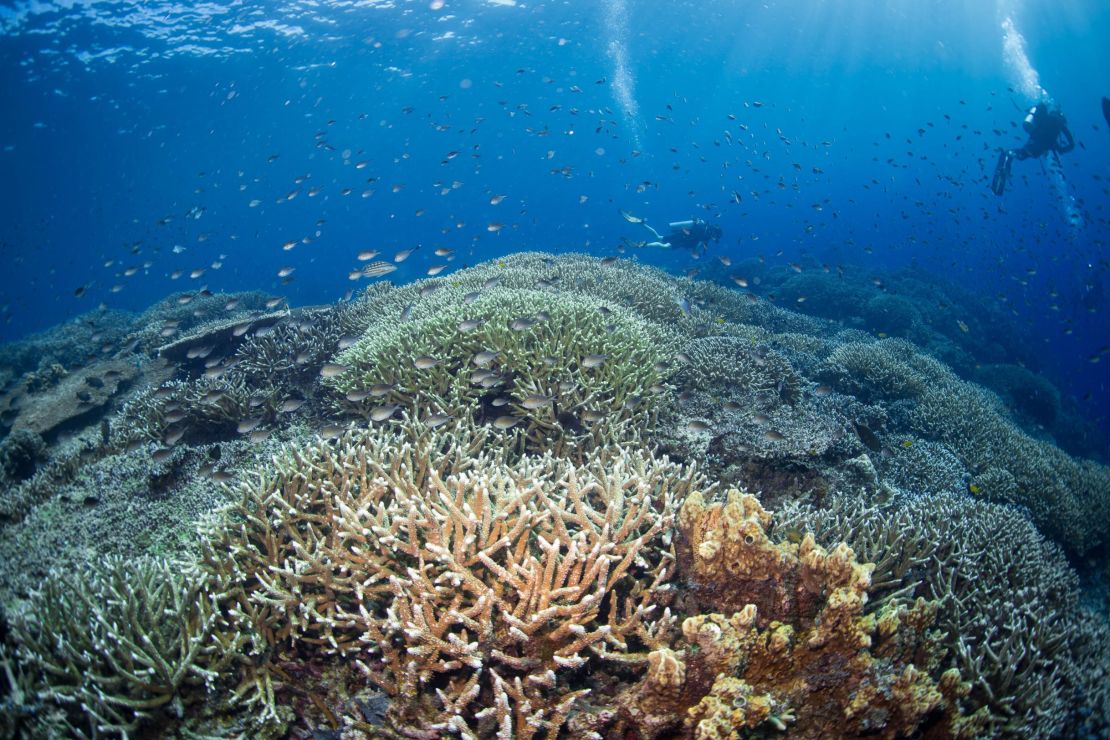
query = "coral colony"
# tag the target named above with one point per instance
(543, 497)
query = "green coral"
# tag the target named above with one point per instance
(555, 362)
(124, 647)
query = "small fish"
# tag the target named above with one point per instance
(434, 421)
(592, 417)
(381, 413)
(258, 435)
(427, 290)
(290, 405)
(683, 304)
(822, 390)
(522, 323)
(425, 362)
(377, 269)
(500, 401)
(494, 227)
(592, 361)
(406, 314)
(331, 370)
(536, 400)
(470, 324)
(249, 425)
(435, 270)
(506, 422)
(347, 340)
(356, 396)
(444, 252)
(173, 436)
(367, 254)
(470, 297)
(494, 200)
(403, 255)
(161, 454)
(332, 431)
(698, 426)
(485, 357)
(631, 218)
(380, 389)
(286, 272)
(741, 281)
(772, 436)
(760, 419)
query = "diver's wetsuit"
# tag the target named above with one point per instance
(693, 235)
(1046, 128)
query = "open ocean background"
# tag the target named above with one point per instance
(853, 135)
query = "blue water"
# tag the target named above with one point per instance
(120, 119)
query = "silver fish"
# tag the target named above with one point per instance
(484, 358)
(506, 422)
(536, 400)
(381, 413)
(425, 362)
(377, 269)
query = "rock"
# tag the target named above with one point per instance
(77, 400)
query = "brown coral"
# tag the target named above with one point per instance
(794, 647)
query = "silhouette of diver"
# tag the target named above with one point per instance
(1046, 127)
(694, 235)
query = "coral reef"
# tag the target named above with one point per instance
(1009, 616)
(502, 549)
(1068, 498)
(469, 590)
(794, 649)
(564, 370)
(123, 647)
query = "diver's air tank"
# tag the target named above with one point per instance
(1027, 124)
(676, 225)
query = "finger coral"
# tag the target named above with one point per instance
(125, 647)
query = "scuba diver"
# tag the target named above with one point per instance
(694, 235)
(1046, 127)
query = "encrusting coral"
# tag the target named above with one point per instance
(794, 649)
(470, 590)
(1009, 617)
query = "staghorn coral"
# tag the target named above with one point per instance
(571, 369)
(123, 647)
(470, 590)
(1009, 616)
(795, 649)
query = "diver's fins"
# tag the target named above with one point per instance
(1106, 110)
(1001, 172)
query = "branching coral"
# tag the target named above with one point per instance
(124, 647)
(470, 590)
(568, 370)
